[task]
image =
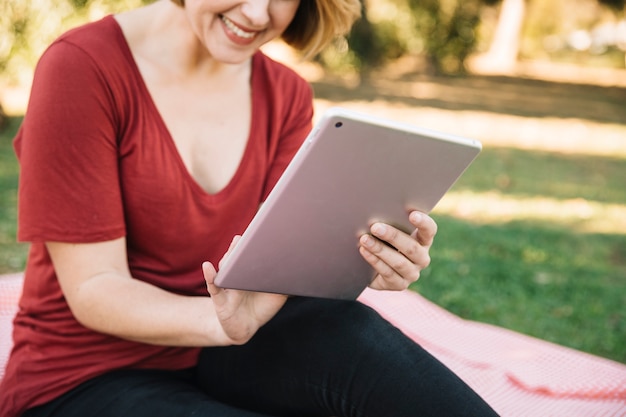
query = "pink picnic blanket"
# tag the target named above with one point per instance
(517, 374)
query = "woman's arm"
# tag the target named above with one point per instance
(104, 297)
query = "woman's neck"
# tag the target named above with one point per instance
(169, 42)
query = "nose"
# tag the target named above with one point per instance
(256, 11)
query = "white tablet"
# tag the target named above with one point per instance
(352, 170)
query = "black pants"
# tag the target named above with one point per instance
(315, 358)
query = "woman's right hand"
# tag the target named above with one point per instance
(240, 313)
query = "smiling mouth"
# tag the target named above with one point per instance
(236, 29)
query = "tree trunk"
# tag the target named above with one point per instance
(502, 55)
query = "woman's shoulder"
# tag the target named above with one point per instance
(100, 39)
(278, 72)
(93, 54)
(98, 30)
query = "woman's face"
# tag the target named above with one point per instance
(233, 30)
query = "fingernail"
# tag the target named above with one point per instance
(379, 229)
(367, 241)
(416, 216)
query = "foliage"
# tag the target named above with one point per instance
(447, 32)
(12, 254)
(28, 27)
(365, 43)
(369, 45)
(443, 30)
(618, 5)
(448, 29)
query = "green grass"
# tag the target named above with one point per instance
(12, 254)
(548, 282)
(548, 279)
(524, 173)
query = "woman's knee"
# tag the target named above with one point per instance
(330, 317)
(338, 328)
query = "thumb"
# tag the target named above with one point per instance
(209, 277)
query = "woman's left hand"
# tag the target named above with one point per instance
(398, 266)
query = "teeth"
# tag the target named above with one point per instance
(236, 30)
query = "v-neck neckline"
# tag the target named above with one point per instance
(167, 136)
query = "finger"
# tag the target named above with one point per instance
(407, 247)
(385, 277)
(233, 243)
(389, 264)
(425, 228)
(368, 252)
(392, 266)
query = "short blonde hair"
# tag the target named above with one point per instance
(317, 23)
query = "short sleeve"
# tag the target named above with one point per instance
(67, 147)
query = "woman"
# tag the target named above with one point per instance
(150, 140)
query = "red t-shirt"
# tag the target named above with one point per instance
(98, 163)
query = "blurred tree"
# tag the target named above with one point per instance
(445, 31)
(505, 44)
(368, 46)
(504, 49)
(365, 44)
(28, 27)
(448, 29)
